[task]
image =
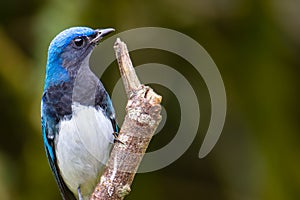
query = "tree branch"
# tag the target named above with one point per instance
(141, 120)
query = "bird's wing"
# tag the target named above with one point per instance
(104, 102)
(49, 134)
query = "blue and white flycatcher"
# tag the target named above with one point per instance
(78, 118)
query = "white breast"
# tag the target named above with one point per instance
(83, 146)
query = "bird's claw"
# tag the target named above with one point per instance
(116, 140)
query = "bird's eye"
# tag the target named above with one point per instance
(79, 42)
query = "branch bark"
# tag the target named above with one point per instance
(141, 120)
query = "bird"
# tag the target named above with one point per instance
(77, 115)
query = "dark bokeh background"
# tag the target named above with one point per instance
(256, 46)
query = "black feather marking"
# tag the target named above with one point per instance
(57, 101)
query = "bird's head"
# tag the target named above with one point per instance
(68, 50)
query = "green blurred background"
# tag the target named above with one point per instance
(256, 46)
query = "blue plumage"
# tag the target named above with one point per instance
(78, 119)
(55, 72)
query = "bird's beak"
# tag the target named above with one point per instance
(101, 33)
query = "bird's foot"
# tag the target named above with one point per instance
(116, 140)
(79, 194)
